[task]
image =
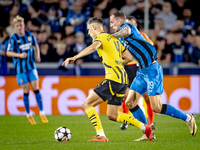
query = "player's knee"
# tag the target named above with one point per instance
(129, 104)
(25, 88)
(156, 109)
(35, 88)
(112, 117)
(84, 105)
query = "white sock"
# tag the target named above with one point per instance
(28, 115)
(188, 118)
(143, 128)
(41, 112)
(101, 133)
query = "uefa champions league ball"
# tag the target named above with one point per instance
(62, 134)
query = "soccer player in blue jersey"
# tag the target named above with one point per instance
(131, 69)
(21, 47)
(149, 75)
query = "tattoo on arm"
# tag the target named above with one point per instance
(122, 33)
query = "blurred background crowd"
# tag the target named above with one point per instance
(60, 26)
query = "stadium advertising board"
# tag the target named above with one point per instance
(64, 95)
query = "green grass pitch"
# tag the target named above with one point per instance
(17, 133)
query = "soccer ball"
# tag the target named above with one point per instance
(62, 134)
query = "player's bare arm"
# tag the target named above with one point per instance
(127, 57)
(14, 54)
(90, 49)
(37, 52)
(122, 33)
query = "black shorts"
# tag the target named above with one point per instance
(131, 71)
(111, 91)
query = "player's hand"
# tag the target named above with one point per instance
(23, 55)
(38, 59)
(69, 61)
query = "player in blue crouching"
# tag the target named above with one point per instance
(21, 47)
(149, 75)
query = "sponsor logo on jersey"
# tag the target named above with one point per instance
(29, 38)
(25, 46)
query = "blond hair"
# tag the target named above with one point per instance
(61, 44)
(17, 19)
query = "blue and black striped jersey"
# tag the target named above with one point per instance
(3, 60)
(3, 48)
(123, 42)
(142, 51)
(23, 44)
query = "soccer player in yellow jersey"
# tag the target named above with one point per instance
(113, 55)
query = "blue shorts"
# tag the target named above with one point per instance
(149, 79)
(24, 78)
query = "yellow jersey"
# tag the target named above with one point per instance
(110, 53)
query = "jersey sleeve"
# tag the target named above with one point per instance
(97, 38)
(123, 26)
(11, 45)
(34, 40)
(123, 48)
(123, 42)
(126, 24)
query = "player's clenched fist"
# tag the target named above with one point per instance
(38, 59)
(23, 55)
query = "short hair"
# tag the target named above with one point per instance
(167, 1)
(140, 1)
(17, 19)
(169, 31)
(95, 20)
(79, 34)
(159, 38)
(131, 17)
(136, 21)
(119, 14)
(178, 31)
